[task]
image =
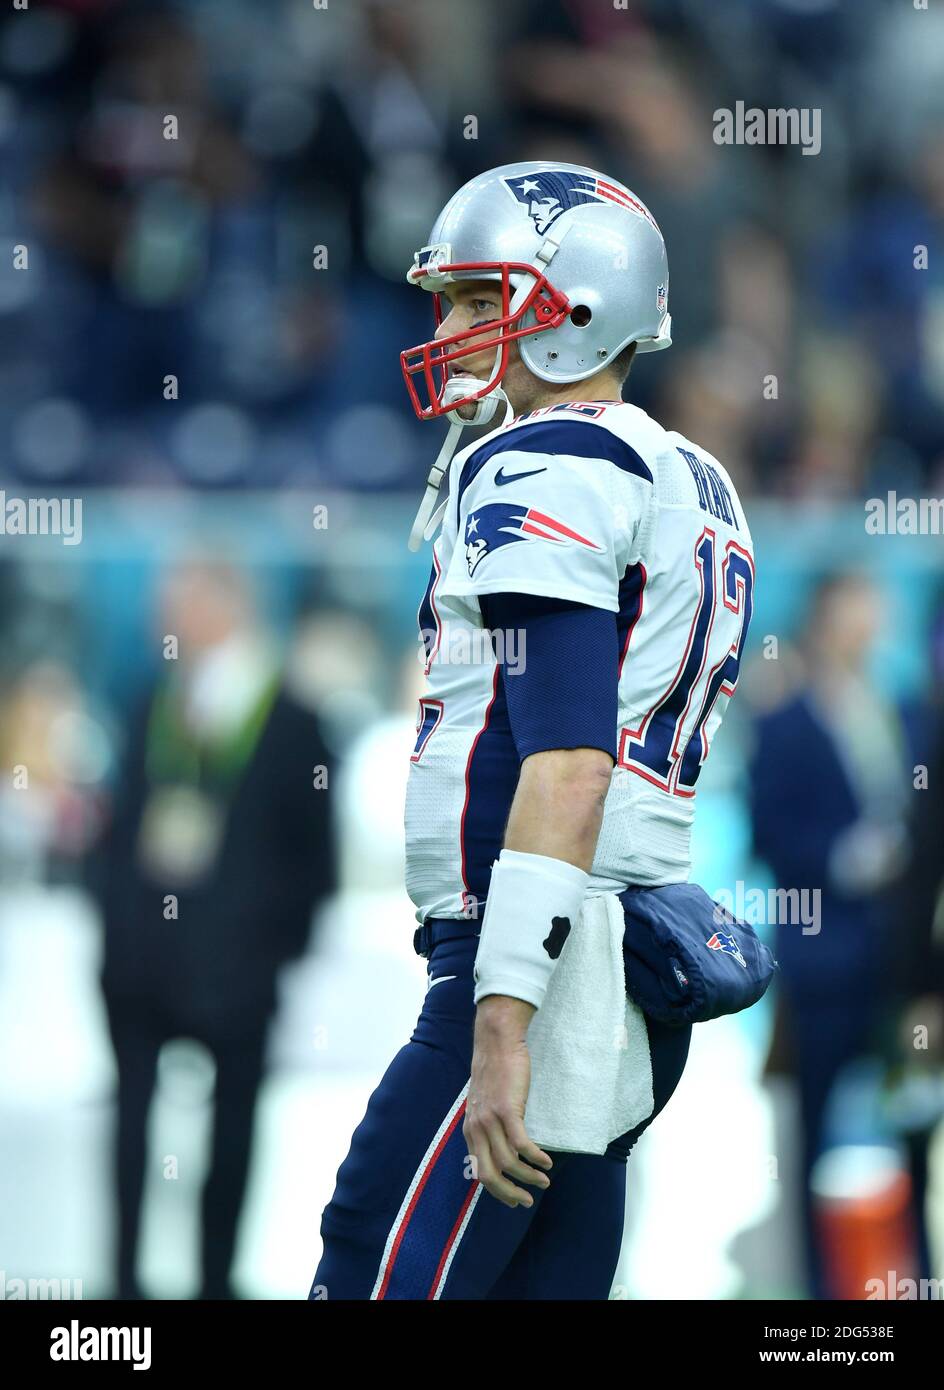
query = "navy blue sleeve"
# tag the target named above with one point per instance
(559, 671)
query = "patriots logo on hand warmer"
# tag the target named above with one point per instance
(724, 941)
(503, 523)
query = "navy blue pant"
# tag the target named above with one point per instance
(407, 1221)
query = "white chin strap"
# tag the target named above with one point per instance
(430, 515)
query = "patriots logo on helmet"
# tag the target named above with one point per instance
(504, 523)
(724, 941)
(549, 192)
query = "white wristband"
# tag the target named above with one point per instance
(533, 902)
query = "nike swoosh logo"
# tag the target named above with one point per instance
(501, 478)
(438, 981)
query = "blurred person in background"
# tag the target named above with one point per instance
(55, 742)
(218, 852)
(915, 1041)
(829, 789)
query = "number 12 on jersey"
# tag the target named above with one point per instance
(669, 745)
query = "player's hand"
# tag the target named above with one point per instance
(498, 1092)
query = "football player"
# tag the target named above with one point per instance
(609, 564)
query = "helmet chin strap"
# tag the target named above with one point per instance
(430, 515)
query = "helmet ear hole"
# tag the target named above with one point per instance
(581, 315)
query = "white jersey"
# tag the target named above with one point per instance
(596, 503)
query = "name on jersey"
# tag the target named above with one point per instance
(714, 496)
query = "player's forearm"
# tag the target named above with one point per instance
(502, 1019)
(558, 806)
(557, 812)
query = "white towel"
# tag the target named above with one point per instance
(591, 1071)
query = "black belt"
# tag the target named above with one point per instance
(437, 929)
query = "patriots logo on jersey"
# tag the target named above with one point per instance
(724, 941)
(550, 192)
(502, 523)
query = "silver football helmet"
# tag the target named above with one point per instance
(583, 271)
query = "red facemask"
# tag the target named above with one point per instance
(431, 361)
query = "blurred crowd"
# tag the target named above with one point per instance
(258, 256)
